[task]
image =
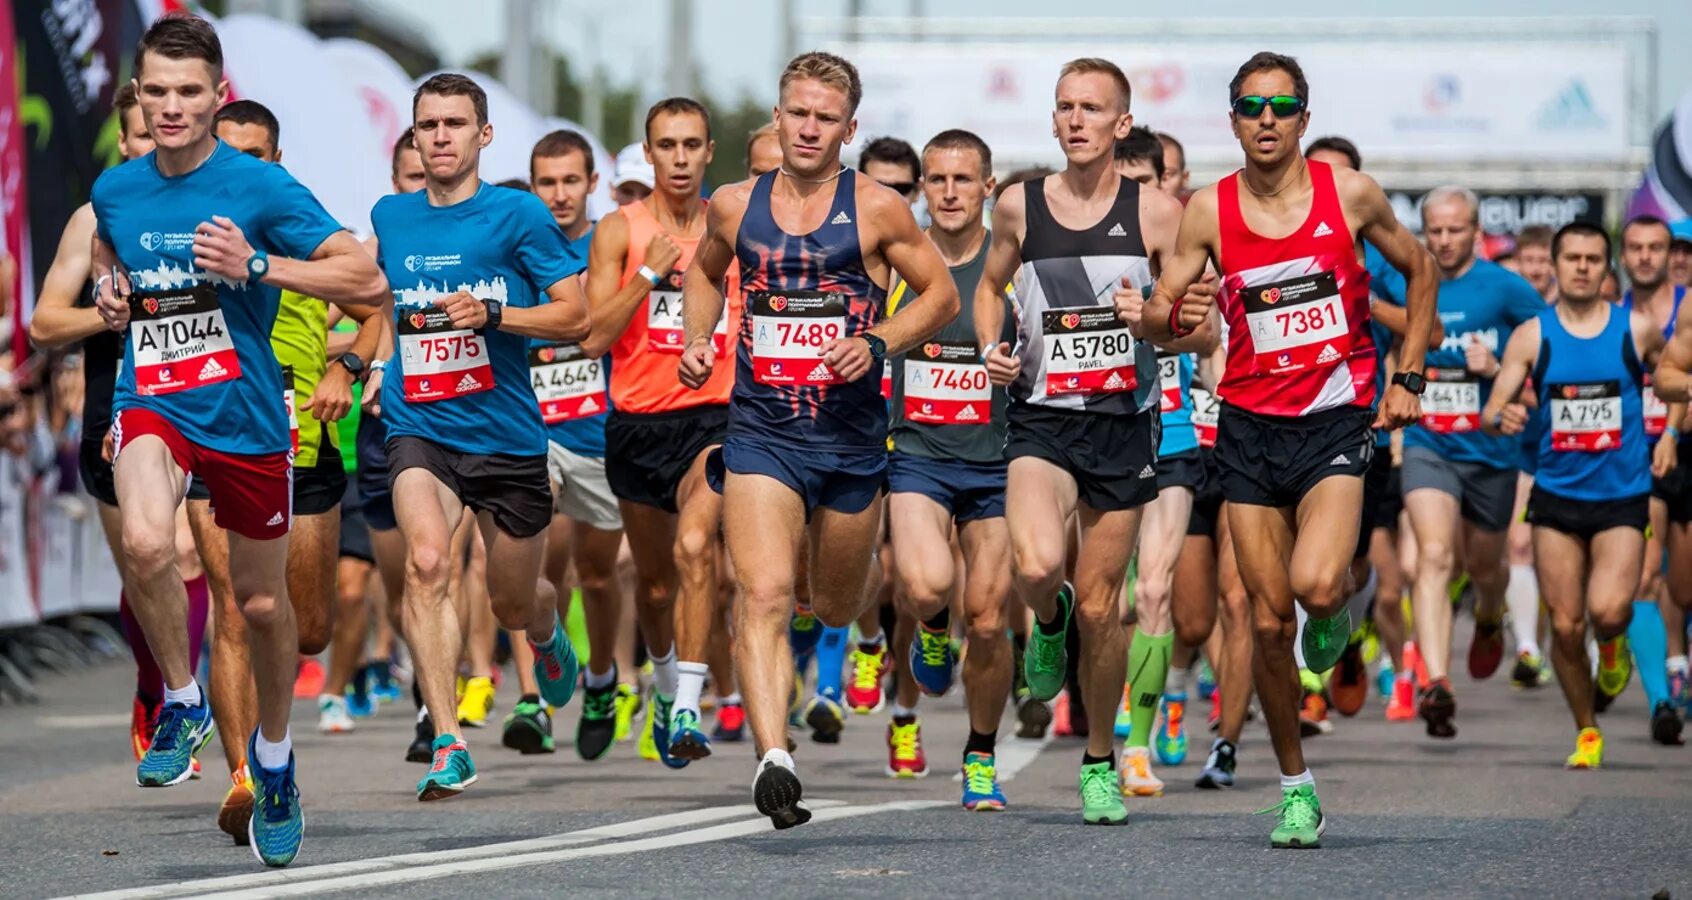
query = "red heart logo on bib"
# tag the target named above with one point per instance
(1071, 320)
(778, 303)
(931, 350)
(417, 320)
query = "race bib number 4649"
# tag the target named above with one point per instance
(568, 385)
(1585, 417)
(1088, 351)
(1297, 324)
(180, 340)
(946, 384)
(789, 330)
(441, 361)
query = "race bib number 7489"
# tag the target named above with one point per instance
(789, 330)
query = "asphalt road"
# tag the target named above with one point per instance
(1491, 814)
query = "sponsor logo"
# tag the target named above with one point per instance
(1603, 441)
(968, 414)
(424, 384)
(413, 263)
(778, 303)
(1570, 392)
(840, 218)
(1340, 460)
(150, 240)
(1148, 472)
(1116, 231)
(1322, 230)
(1072, 382)
(275, 519)
(547, 354)
(468, 382)
(211, 369)
(931, 350)
(164, 374)
(1270, 295)
(1572, 109)
(1441, 92)
(775, 368)
(154, 241)
(1328, 355)
(927, 408)
(416, 320)
(820, 373)
(1071, 320)
(1284, 359)
(1115, 381)
(150, 305)
(589, 406)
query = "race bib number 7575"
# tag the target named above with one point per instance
(441, 361)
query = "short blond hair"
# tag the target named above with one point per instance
(829, 69)
(1093, 65)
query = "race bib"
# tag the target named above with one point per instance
(887, 379)
(1206, 410)
(1656, 411)
(1585, 417)
(789, 330)
(665, 332)
(1088, 351)
(441, 361)
(1452, 402)
(568, 385)
(946, 384)
(180, 340)
(288, 401)
(1297, 324)
(1169, 380)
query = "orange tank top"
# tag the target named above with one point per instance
(645, 359)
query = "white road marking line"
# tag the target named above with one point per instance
(1013, 756)
(382, 863)
(494, 864)
(91, 720)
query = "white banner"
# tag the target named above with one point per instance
(1421, 101)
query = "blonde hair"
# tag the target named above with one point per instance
(829, 69)
(1093, 65)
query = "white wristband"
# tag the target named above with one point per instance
(377, 365)
(100, 281)
(647, 273)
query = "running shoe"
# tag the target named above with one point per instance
(1665, 724)
(332, 715)
(422, 747)
(383, 685)
(1219, 766)
(796, 699)
(1350, 685)
(237, 808)
(647, 746)
(1528, 671)
(361, 704)
(182, 730)
(1615, 670)
(1123, 726)
(143, 721)
(981, 791)
(628, 706)
(1213, 719)
(1101, 800)
(905, 758)
(932, 661)
(1384, 679)
(1206, 680)
(308, 679)
(557, 668)
(1061, 724)
(1170, 736)
(1401, 707)
(1371, 639)
(804, 631)
(1325, 640)
(826, 718)
(776, 793)
(864, 694)
(731, 724)
(1486, 649)
(1437, 707)
(1589, 750)
(1137, 778)
(596, 730)
(1032, 717)
(1680, 690)
(450, 772)
(1313, 715)
(688, 741)
(528, 729)
(1415, 665)
(476, 702)
(662, 710)
(1046, 658)
(276, 826)
(1301, 824)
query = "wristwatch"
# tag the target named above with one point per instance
(496, 313)
(258, 266)
(877, 346)
(353, 364)
(1410, 381)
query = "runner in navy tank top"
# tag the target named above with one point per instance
(1591, 488)
(1294, 434)
(1670, 382)
(804, 460)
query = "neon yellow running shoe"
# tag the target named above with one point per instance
(1589, 750)
(628, 706)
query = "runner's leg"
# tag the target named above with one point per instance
(763, 524)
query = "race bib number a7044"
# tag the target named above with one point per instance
(441, 361)
(180, 340)
(1088, 351)
(789, 330)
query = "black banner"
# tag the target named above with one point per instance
(1508, 212)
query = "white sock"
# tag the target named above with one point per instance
(879, 639)
(273, 756)
(188, 696)
(729, 699)
(1298, 637)
(903, 712)
(1677, 665)
(422, 714)
(1292, 781)
(690, 682)
(780, 757)
(1358, 603)
(663, 671)
(1175, 682)
(1521, 598)
(602, 680)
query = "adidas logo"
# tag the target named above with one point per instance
(468, 382)
(1571, 110)
(1117, 231)
(820, 373)
(968, 414)
(212, 370)
(840, 218)
(1328, 355)
(274, 521)
(1115, 382)
(1148, 472)
(1322, 230)
(1341, 460)
(589, 406)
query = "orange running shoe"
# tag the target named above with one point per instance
(1313, 716)
(1060, 716)
(237, 807)
(309, 682)
(1402, 706)
(143, 720)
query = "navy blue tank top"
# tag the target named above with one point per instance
(1593, 445)
(801, 292)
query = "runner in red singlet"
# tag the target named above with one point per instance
(1294, 433)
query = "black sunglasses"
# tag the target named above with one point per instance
(904, 188)
(1283, 106)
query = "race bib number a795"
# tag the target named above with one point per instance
(1585, 417)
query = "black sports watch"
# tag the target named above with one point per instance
(353, 364)
(1410, 381)
(496, 313)
(878, 347)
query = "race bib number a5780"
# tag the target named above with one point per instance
(1088, 351)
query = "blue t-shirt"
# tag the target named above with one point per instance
(1386, 283)
(1488, 301)
(205, 362)
(501, 245)
(1175, 383)
(584, 437)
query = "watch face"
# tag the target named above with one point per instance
(260, 264)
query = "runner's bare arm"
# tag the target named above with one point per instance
(997, 271)
(1379, 225)
(1672, 380)
(57, 320)
(1504, 414)
(914, 257)
(1183, 269)
(1396, 319)
(702, 286)
(111, 295)
(564, 317)
(1160, 218)
(333, 398)
(339, 271)
(611, 303)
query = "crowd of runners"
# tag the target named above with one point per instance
(739, 470)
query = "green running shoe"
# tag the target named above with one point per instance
(628, 706)
(528, 729)
(596, 731)
(450, 772)
(1302, 823)
(1615, 670)
(1046, 658)
(1325, 640)
(1101, 802)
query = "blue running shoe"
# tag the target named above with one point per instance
(981, 791)
(662, 710)
(556, 668)
(826, 717)
(181, 732)
(932, 661)
(361, 704)
(1206, 680)
(450, 772)
(687, 739)
(277, 825)
(1383, 681)
(803, 633)
(1169, 736)
(382, 682)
